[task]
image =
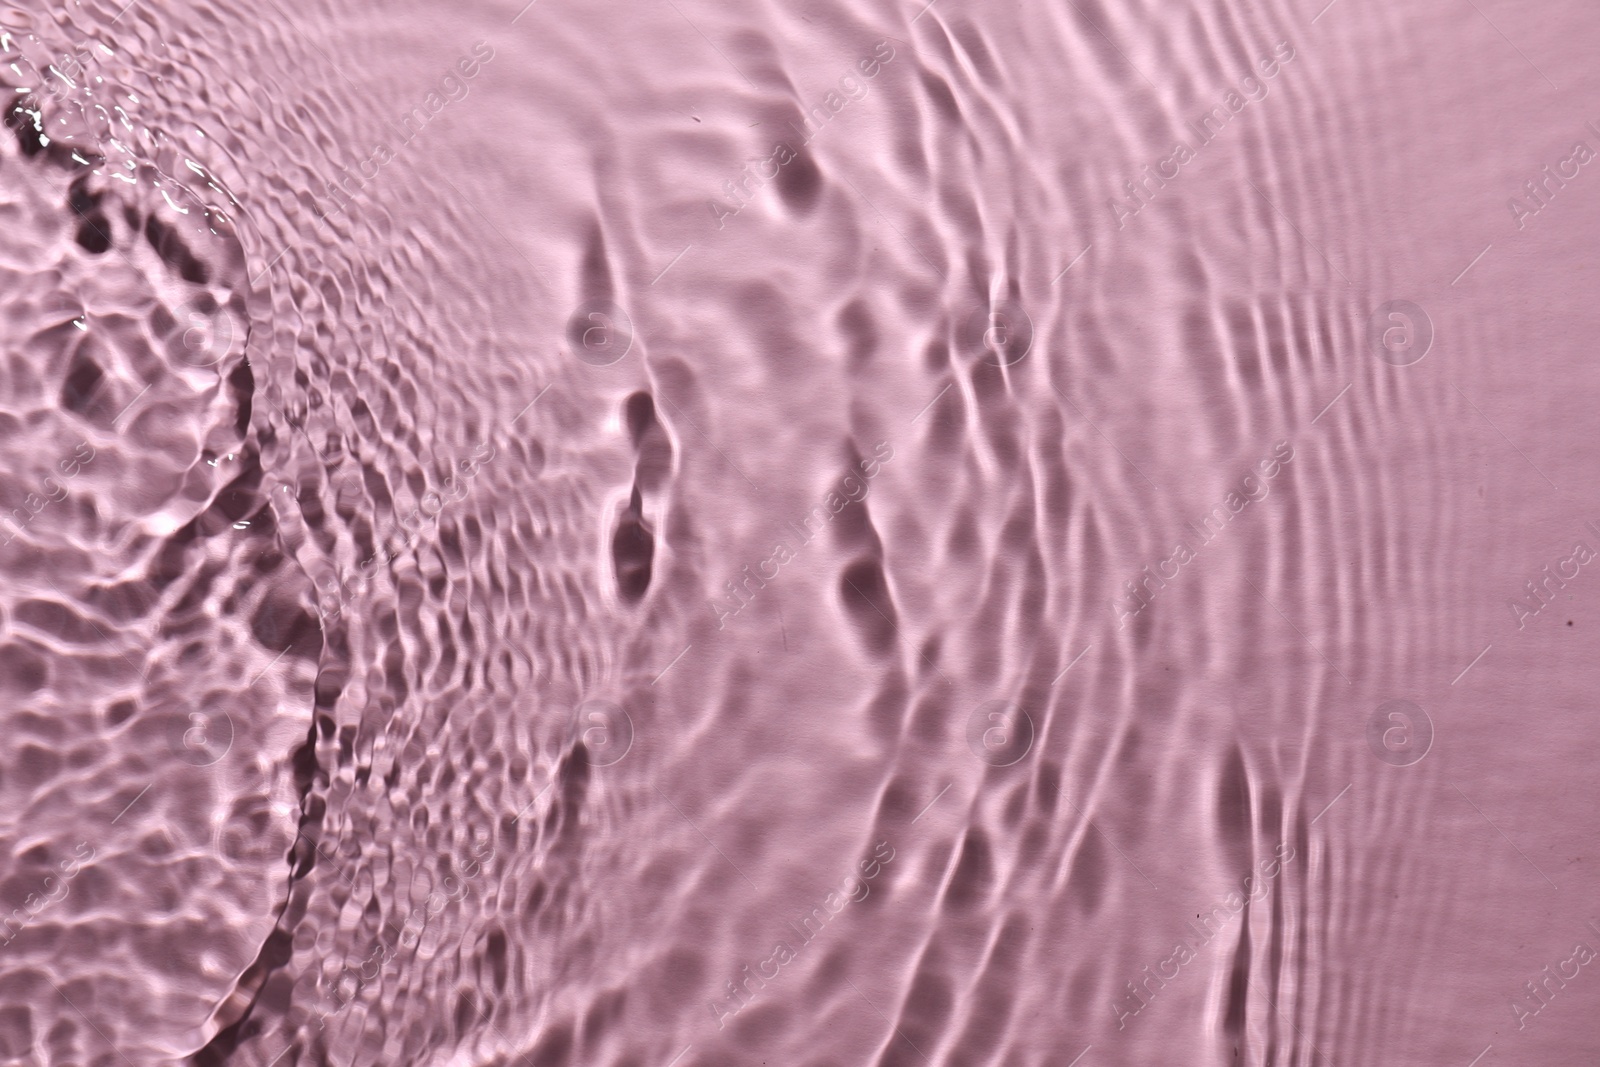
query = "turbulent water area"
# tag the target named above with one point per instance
(836, 533)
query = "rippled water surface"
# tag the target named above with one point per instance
(678, 533)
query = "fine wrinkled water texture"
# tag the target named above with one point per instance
(677, 533)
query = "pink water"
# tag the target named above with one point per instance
(681, 533)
